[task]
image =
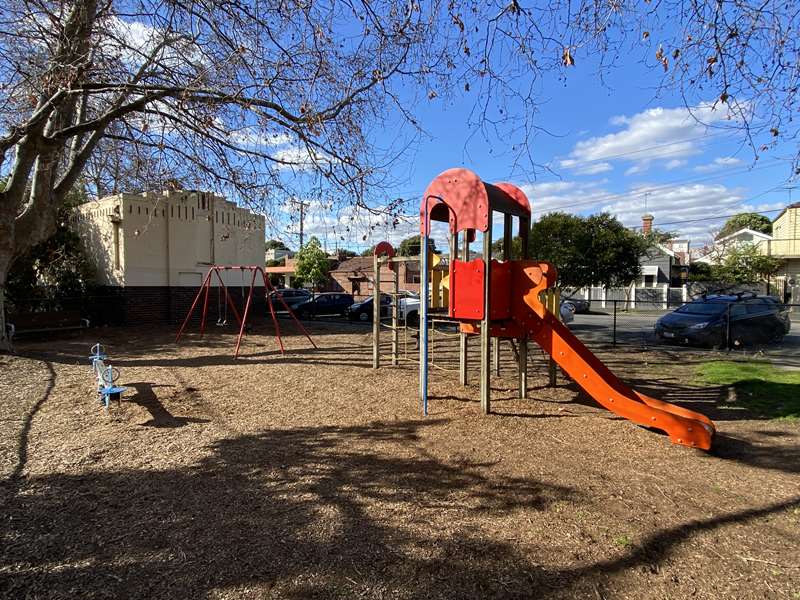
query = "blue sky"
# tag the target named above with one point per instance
(618, 143)
(615, 146)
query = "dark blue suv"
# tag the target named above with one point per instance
(329, 303)
(721, 320)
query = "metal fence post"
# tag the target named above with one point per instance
(728, 329)
(614, 328)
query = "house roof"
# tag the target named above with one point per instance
(357, 263)
(794, 205)
(364, 264)
(764, 236)
(665, 250)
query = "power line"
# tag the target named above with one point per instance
(760, 212)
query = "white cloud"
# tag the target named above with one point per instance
(254, 137)
(654, 136)
(563, 195)
(719, 163)
(674, 164)
(677, 204)
(585, 169)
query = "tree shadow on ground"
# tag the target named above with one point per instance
(314, 512)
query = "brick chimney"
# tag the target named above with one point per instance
(647, 223)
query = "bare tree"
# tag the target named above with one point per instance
(259, 99)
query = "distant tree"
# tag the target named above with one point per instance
(344, 254)
(744, 263)
(751, 220)
(559, 238)
(587, 251)
(368, 252)
(312, 264)
(700, 271)
(516, 248)
(614, 251)
(411, 245)
(275, 245)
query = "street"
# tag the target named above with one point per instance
(637, 328)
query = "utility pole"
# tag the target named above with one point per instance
(302, 206)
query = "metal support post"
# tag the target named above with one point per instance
(463, 343)
(423, 320)
(396, 318)
(462, 366)
(376, 314)
(486, 390)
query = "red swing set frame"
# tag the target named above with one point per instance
(205, 289)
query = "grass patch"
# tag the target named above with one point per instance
(760, 387)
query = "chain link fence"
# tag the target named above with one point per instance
(728, 327)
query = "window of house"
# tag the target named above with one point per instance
(649, 281)
(130, 209)
(193, 213)
(138, 210)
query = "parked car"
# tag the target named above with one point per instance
(329, 303)
(363, 311)
(289, 295)
(567, 310)
(581, 305)
(739, 319)
(409, 309)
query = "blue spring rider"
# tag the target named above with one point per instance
(106, 376)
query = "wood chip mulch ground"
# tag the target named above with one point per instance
(310, 475)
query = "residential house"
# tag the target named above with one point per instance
(356, 275)
(716, 253)
(152, 250)
(786, 246)
(277, 254)
(661, 265)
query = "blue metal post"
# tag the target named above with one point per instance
(423, 321)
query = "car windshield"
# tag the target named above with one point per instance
(703, 308)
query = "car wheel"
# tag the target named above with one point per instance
(363, 316)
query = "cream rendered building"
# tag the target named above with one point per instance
(157, 247)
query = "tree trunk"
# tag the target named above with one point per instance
(5, 264)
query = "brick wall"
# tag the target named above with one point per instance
(161, 305)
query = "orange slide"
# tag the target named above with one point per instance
(683, 426)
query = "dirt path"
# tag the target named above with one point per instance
(311, 475)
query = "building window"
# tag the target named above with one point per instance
(130, 209)
(172, 211)
(146, 210)
(138, 210)
(193, 213)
